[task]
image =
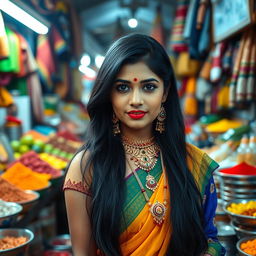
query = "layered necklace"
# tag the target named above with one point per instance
(144, 154)
(157, 209)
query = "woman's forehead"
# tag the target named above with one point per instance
(135, 72)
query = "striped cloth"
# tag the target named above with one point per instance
(242, 79)
(177, 41)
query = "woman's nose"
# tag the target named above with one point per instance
(136, 98)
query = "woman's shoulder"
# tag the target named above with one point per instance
(78, 176)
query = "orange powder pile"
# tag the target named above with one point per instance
(11, 193)
(24, 178)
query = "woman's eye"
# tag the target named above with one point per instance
(149, 87)
(122, 87)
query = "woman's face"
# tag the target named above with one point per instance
(136, 98)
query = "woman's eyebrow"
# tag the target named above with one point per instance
(149, 80)
(143, 81)
(122, 81)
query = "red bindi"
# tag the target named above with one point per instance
(135, 79)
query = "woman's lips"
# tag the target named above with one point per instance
(136, 114)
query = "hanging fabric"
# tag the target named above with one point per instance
(45, 61)
(177, 41)
(242, 79)
(4, 46)
(157, 29)
(235, 72)
(251, 83)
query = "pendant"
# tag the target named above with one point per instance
(151, 183)
(158, 211)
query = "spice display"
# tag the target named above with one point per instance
(249, 247)
(24, 178)
(248, 209)
(7, 209)
(240, 169)
(223, 125)
(33, 161)
(11, 193)
(9, 242)
(54, 161)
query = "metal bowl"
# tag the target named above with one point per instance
(232, 179)
(21, 249)
(243, 240)
(27, 205)
(7, 220)
(241, 219)
(61, 243)
(243, 231)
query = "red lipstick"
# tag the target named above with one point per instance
(136, 114)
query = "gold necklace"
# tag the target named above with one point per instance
(144, 154)
(158, 209)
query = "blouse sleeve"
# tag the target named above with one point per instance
(75, 180)
(210, 205)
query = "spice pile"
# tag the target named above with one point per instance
(9, 242)
(240, 169)
(11, 193)
(249, 247)
(33, 161)
(248, 209)
(6, 209)
(24, 178)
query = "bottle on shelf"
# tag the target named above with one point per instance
(241, 150)
(250, 156)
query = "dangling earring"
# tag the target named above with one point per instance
(115, 121)
(160, 120)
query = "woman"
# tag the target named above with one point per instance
(136, 187)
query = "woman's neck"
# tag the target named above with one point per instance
(137, 135)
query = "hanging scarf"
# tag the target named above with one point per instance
(235, 72)
(241, 87)
(177, 41)
(4, 46)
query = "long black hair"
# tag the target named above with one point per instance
(107, 156)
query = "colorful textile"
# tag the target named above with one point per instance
(158, 30)
(11, 64)
(190, 101)
(235, 71)
(251, 86)
(177, 42)
(4, 47)
(241, 87)
(59, 44)
(45, 61)
(141, 236)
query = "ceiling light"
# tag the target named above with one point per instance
(18, 12)
(133, 23)
(85, 60)
(88, 72)
(99, 60)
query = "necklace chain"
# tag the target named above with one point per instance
(158, 209)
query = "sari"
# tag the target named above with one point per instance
(140, 235)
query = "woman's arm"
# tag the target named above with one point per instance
(78, 212)
(210, 205)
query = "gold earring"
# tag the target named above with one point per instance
(116, 128)
(160, 120)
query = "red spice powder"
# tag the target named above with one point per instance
(240, 169)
